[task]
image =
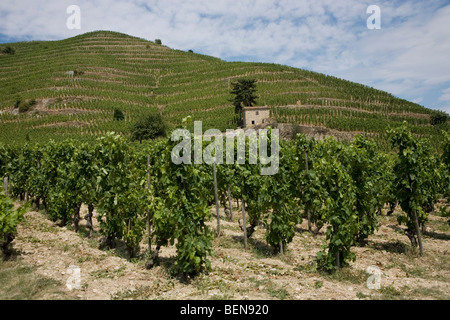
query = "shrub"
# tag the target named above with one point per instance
(438, 117)
(118, 115)
(158, 41)
(9, 50)
(24, 106)
(149, 127)
(17, 103)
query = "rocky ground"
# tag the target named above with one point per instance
(52, 253)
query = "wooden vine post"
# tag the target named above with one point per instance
(149, 223)
(216, 197)
(229, 202)
(5, 185)
(307, 205)
(243, 220)
(419, 236)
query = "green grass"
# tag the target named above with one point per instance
(433, 292)
(270, 288)
(391, 293)
(145, 292)
(136, 294)
(439, 226)
(138, 76)
(361, 295)
(318, 284)
(348, 275)
(109, 274)
(21, 282)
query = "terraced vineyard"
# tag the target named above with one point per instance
(113, 70)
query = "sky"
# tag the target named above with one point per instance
(408, 55)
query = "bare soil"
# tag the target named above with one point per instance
(255, 273)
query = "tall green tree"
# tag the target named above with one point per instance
(244, 91)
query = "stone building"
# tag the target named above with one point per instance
(254, 116)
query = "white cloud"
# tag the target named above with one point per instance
(445, 109)
(414, 52)
(445, 95)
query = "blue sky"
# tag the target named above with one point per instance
(408, 57)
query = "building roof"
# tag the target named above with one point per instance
(257, 108)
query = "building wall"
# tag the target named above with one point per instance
(253, 117)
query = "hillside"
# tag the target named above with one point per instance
(113, 70)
